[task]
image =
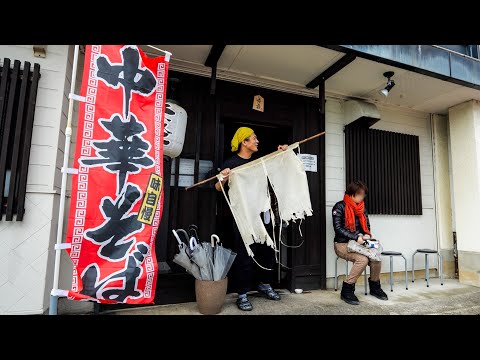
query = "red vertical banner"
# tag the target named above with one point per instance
(117, 195)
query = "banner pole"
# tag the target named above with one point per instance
(61, 211)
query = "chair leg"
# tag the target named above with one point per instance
(336, 281)
(406, 272)
(346, 270)
(391, 273)
(365, 280)
(440, 267)
(427, 271)
(426, 260)
(413, 267)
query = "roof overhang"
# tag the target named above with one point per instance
(431, 60)
(291, 68)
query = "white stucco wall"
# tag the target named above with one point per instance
(25, 259)
(398, 233)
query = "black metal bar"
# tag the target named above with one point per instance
(418, 195)
(377, 191)
(3, 97)
(383, 174)
(411, 189)
(384, 178)
(17, 141)
(321, 192)
(403, 177)
(3, 92)
(411, 175)
(7, 127)
(391, 193)
(332, 70)
(416, 173)
(395, 173)
(22, 182)
(214, 55)
(408, 156)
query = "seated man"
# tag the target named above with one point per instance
(350, 222)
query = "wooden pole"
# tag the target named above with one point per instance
(214, 177)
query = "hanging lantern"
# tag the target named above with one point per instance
(175, 126)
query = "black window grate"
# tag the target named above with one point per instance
(18, 93)
(389, 163)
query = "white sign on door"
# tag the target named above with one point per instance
(186, 170)
(309, 162)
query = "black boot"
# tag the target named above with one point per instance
(376, 290)
(348, 294)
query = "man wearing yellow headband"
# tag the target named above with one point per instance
(244, 144)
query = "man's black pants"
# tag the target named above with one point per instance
(244, 270)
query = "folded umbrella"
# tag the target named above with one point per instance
(223, 259)
(209, 252)
(199, 257)
(183, 259)
(186, 241)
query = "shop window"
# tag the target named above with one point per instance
(18, 93)
(389, 163)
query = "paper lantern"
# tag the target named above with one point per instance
(174, 129)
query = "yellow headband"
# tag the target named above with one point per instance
(240, 135)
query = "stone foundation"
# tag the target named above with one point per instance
(469, 268)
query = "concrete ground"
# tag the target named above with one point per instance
(451, 298)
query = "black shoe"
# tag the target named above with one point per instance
(270, 293)
(244, 304)
(348, 294)
(376, 290)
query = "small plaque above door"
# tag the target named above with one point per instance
(258, 103)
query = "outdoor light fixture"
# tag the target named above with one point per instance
(390, 83)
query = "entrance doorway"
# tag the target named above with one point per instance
(286, 118)
(269, 136)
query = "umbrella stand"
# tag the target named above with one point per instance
(210, 294)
